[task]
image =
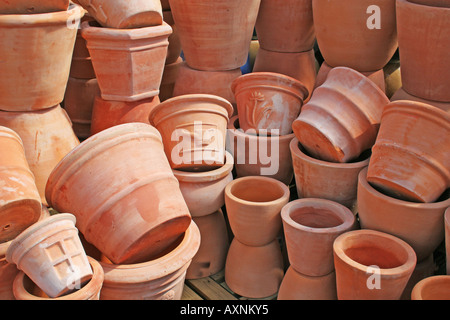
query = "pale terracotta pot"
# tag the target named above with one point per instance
(268, 101)
(417, 134)
(425, 62)
(169, 78)
(345, 39)
(447, 239)
(372, 265)
(32, 6)
(81, 67)
(261, 155)
(38, 50)
(253, 208)
(424, 269)
(342, 118)
(401, 94)
(174, 49)
(20, 204)
(432, 288)
(47, 137)
(285, 26)
(208, 33)
(142, 191)
(193, 128)
(128, 63)
(161, 278)
(204, 192)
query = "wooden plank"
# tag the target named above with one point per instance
(209, 289)
(189, 294)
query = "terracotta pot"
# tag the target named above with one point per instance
(372, 265)
(297, 286)
(200, 122)
(159, 279)
(417, 134)
(128, 63)
(261, 155)
(419, 224)
(285, 26)
(423, 269)
(268, 101)
(38, 49)
(81, 67)
(353, 35)
(298, 65)
(204, 191)
(212, 254)
(435, 3)
(146, 197)
(326, 180)
(170, 76)
(47, 137)
(174, 49)
(208, 33)
(121, 14)
(342, 118)
(32, 6)
(253, 207)
(108, 113)
(254, 272)
(447, 239)
(401, 94)
(424, 54)
(20, 204)
(432, 288)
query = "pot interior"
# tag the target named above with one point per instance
(257, 191)
(314, 217)
(436, 290)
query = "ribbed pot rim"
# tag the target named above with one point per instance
(442, 281)
(424, 110)
(240, 133)
(6, 132)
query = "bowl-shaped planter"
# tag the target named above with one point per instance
(32, 6)
(37, 52)
(410, 159)
(432, 288)
(342, 118)
(132, 208)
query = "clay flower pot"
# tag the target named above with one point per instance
(193, 128)
(128, 63)
(417, 134)
(419, 224)
(20, 204)
(33, 6)
(142, 191)
(161, 278)
(401, 94)
(285, 26)
(447, 239)
(424, 54)
(342, 118)
(268, 101)
(355, 36)
(169, 79)
(316, 178)
(209, 34)
(424, 269)
(372, 265)
(253, 207)
(37, 49)
(51, 254)
(204, 191)
(81, 67)
(47, 137)
(432, 288)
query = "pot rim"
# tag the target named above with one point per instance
(436, 280)
(239, 132)
(8, 133)
(425, 110)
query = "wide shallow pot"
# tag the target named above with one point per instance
(342, 118)
(193, 128)
(401, 94)
(447, 238)
(32, 6)
(209, 34)
(372, 265)
(419, 224)
(410, 158)
(432, 288)
(141, 211)
(253, 207)
(37, 52)
(128, 63)
(268, 101)
(360, 34)
(161, 278)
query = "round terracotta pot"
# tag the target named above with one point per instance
(204, 191)
(32, 6)
(401, 94)
(372, 265)
(348, 35)
(268, 101)
(161, 278)
(47, 137)
(432, 288)
(193, 128)
(128, 63)
(208, 33)
(424, 269)
(170, 76)
(297, 286)
(414, 133)
(342, 118)
(447, 239)
(260, 155)
(20, 204)
(38, 50)
(424, 54)
(174, 49)
(142, 211)
(285, 26)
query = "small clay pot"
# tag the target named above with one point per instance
(401, 94)
(447, 239)
(32, 6)
(169, 78)
(432, 288)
